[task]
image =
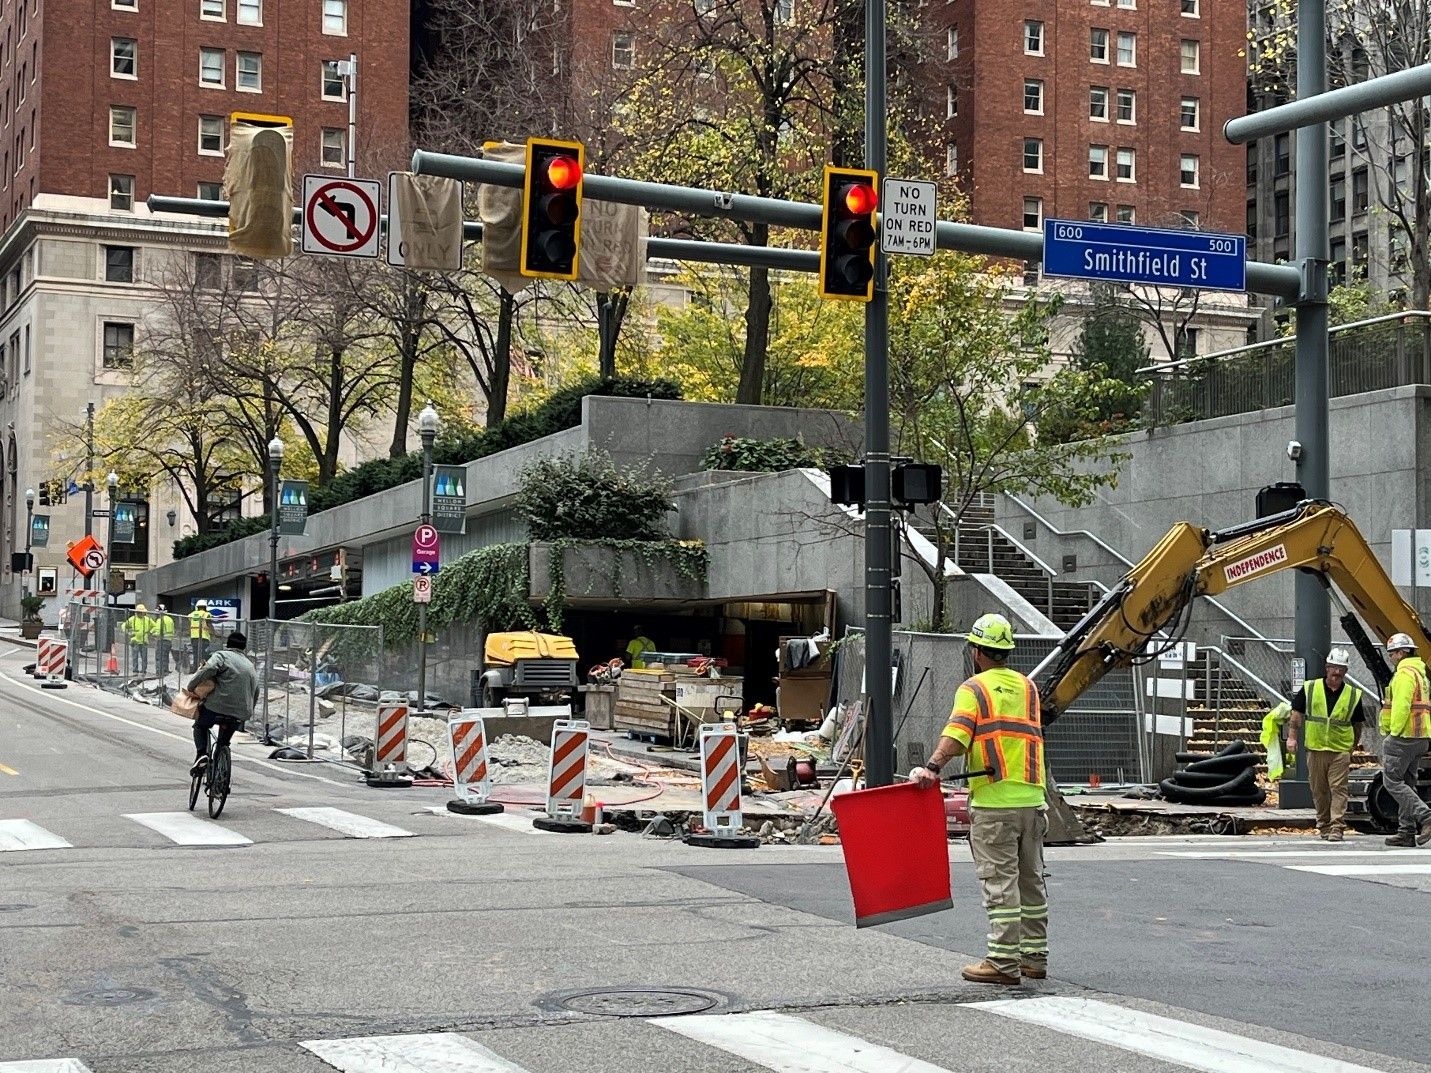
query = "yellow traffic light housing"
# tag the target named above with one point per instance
(847, 234)
(551, 209)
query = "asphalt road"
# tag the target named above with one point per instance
(444, 944)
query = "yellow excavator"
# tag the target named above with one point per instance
(1156, 596)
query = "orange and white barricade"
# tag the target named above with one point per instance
(42, 651)
(390, 748)
(566, 777)
(471, 777)
(721, 775)
(51, 656)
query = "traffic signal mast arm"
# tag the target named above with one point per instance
(1156, 595)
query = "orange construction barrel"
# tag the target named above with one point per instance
(896, 851)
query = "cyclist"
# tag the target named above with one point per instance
(233, 700)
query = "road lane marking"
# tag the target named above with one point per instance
(8, 770)
(185, 829)
(1179, 1042)
(346, 823)
(1272, 855)
(790, 1045)
(437, 1052)
(45, 1065)
(23, 835)
(1363, 869)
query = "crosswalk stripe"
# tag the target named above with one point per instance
(790, 1045)
(23, 834)
(346, 823)
(188, 830)
(1273, 855)
(438, 1052)
(45, 1065)
(1179, 1042)
(1363, 869)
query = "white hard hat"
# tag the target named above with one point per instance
(1400, 641)
(1338, 657)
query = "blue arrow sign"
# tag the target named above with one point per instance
(1119, 253)
(424, 567)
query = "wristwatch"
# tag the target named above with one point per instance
(932, 766)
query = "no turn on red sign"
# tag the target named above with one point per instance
(341, 215)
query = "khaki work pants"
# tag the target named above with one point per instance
(1327, 772)
(1007, 844)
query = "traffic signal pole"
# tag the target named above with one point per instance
(879, 624)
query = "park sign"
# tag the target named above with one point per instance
(293, 507)
(1118, 253)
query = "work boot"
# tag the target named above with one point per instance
(1335, 835)
(1400, 839)
(1034, 972)
(1325, 836)
(1423, 832)
(987, 973)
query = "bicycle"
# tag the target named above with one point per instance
(214, 778)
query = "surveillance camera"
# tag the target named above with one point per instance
(1294, 450)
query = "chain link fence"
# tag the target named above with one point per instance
(1098, 736)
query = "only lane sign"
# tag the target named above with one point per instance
(1118, 253)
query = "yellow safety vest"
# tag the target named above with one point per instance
(1330, 733)
(199, 625)
(1406, 708)
(162, 628)
(996, 718)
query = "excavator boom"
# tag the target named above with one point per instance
(1155, 597)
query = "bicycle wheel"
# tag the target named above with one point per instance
(195, 783)
(219, 781)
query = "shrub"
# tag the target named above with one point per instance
(765, 456)
(589, 497)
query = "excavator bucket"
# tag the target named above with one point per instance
(1064, 826)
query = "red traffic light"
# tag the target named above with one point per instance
(861, 199)
(563, 173)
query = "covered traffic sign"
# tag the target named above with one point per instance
(1118, 253)
(426, 552)
(340, 216)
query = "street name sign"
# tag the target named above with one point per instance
(340, 216)
(908, 213)
(1118, 253)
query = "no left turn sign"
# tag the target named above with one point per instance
(340, 216)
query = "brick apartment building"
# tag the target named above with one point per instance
(1103, 110)
(105, 102)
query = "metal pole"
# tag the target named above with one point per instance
(428, 435)
(352, 114)
(1349, 100)
(89, 469)
(312, 684)
(1313, 614)
(273, 470)
(879, 732)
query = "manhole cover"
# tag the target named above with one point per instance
(110, 996)
(654, 1003)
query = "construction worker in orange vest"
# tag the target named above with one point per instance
(1406, 722)
(996, 723)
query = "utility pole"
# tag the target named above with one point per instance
(350, 75)
(879, 727)
(427, 424)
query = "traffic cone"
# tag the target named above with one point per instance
(111, 665)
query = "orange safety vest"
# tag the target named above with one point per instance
(1007, 730)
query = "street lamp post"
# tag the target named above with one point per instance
(112, 482)
(427, 425)
(275, 464)
(29, 536)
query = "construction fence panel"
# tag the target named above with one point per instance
(1098, 736)
(324, 683)
(147, 655)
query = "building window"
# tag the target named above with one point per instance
(1189, 218)
(250, 12)
(121, 192)
(1361, 252)
(784, 13)
(211, 67)
(334, 155)
(1337, 201)
(952, 43)
(1033, 37)
(951, 101)
(1098, 103)
(119, 264)
(1033, 213)
(1127, 49)
(211, 135)
(250, 72)
(1190, 9)
(1098, 212)
(335, 17)
(1281, 154)
(951, 159)
(135, 552)
(1189, 113)
(1133, 4)
(623, 51)
(1098, 162)
(123, 57)
(1252, 219)
(1098, 45)
(1281, 214)
(1191, 57)
(210, 192)
(1127, 162)
(211, 9)
(1188, 170)
(1033, 96)
(1361, 191)
(208, 271)
(245, 274)
(1033, 154)
(125, 5)
(1127, 106)
(335, 88)
(1337, 271)
(1126, 214)
(1186, 342)
(1339, 142)
(121, 126)
(118, 345)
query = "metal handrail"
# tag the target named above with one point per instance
(1181, 364)
(1274, 643)
(996, 527)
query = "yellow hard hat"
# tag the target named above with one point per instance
(992, 631)
(140, 607)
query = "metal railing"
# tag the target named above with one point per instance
(1367, 355)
